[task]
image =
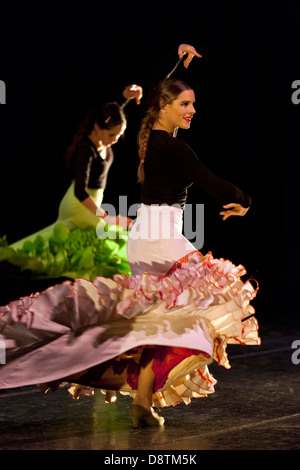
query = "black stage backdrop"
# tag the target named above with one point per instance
(58, 59)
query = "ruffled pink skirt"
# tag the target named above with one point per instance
(93, 333)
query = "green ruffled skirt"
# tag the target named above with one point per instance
(77, 245)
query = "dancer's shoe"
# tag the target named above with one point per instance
(43, 387)
(141, 416)
(77, 390)
(110, 396)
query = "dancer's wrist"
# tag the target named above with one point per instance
(101, 213)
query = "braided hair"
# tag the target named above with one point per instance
(106, 116)
(164, 93)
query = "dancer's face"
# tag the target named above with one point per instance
(108, 137)
(180, 112)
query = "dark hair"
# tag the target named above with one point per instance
(106, 116)
(164, 93)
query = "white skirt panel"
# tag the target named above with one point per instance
(156, 242)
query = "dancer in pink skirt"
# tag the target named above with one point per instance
(151, 335)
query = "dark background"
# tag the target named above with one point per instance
(57, 59)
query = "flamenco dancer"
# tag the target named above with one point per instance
(151, 335)
(89, 159)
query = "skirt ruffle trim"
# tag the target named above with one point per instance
(204, 295)
(212, 286)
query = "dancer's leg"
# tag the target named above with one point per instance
(145, 380)
(141, 411)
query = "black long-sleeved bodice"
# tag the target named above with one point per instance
(89, 169)
(171, 167)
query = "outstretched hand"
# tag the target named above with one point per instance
(133, 91)
(190, 51)
(233, 209)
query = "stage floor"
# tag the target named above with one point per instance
(256, 406)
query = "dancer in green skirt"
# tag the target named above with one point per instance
(70, 246)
